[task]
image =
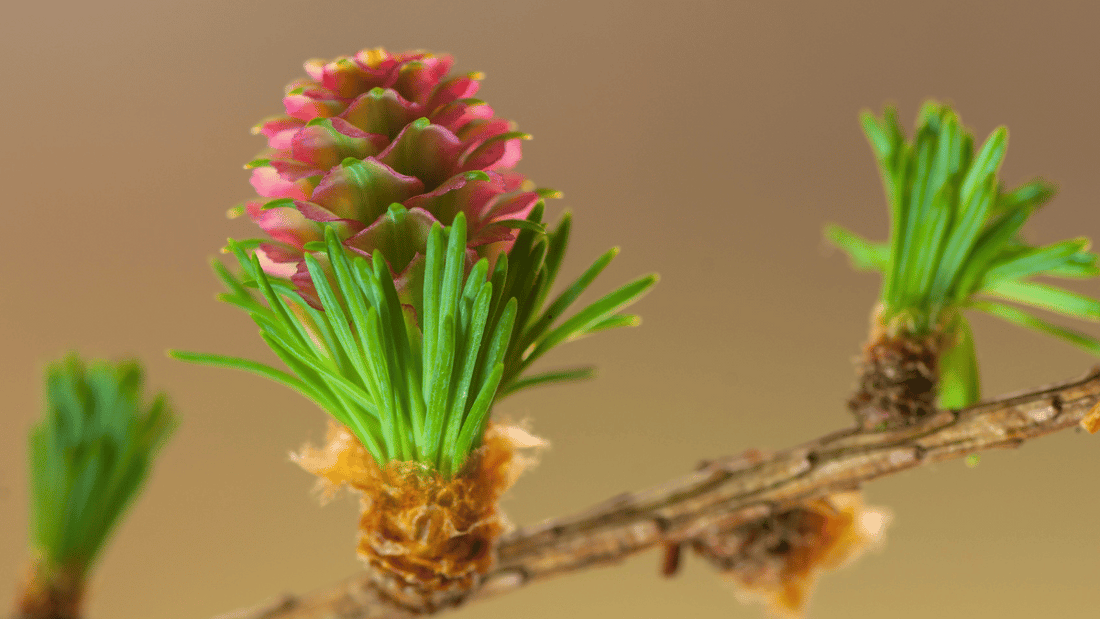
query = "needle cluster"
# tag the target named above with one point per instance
(416, 382)
(89, 456)
(955, 244)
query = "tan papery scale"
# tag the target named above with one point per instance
(777, 560)
(426, 539)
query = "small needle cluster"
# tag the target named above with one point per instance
(955, 244)
(89, 458)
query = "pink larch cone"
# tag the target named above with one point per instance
(381, 146)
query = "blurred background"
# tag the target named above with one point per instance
(710, 140)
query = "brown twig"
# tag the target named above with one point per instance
(726, 492)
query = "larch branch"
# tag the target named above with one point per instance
(724, 493)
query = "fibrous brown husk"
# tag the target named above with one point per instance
(776, 560)
(51, 594)
(898, 380)
(1091, 421)
(426, 539)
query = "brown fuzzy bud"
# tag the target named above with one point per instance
(777, 559)
(427, 539)
(898, 381)
(51, 594)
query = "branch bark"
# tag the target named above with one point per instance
(725, 493)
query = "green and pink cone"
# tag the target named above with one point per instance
(379, 147)
(406, 288)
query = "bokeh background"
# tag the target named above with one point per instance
(710, 140)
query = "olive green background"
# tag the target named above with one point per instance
(710, 140)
